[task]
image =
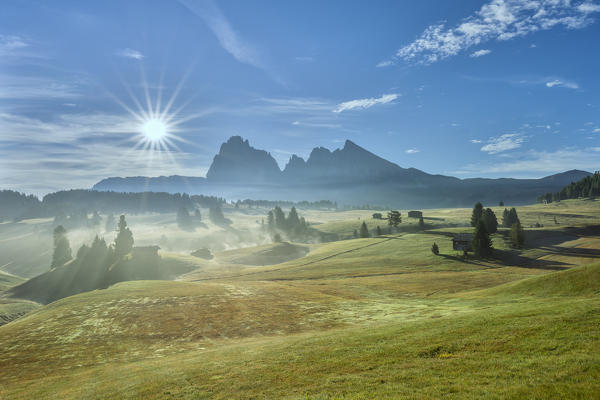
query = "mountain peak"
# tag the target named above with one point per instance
(237, 161)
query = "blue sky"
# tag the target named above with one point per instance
(470, 88)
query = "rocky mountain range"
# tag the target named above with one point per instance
(350, 175)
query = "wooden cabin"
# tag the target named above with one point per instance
(415, 214)
(462, 242)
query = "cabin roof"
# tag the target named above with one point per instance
(463, 237)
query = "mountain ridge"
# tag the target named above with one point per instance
(353, 173)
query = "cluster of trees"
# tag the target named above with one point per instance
(215, 214)
(586, 187)
(79, 219)
(99, 249)
(187, 221)
(314, 205)
(486, 223)
(510, 217)
(69, 202)
(487, 216)
(293, 225)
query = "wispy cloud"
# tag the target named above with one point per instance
(9, 44)
(316, 125)
(505, 142)
(480, 53)
(497, 20)
(130, 53)
(475, 141)
(14, 87)
(365, 103)
(561, 83)
(536, 163)
(412, 151)
(241, 50)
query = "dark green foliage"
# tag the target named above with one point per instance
(279, 218)
(517, 235)
(355, 233)
(277, 238)
(294, 226)
(62, 248)
(490, 220)
(364, 231)
(586, 187)
(482, 244)
(509, 217)
(124, 239)
(378, 231)
(477, 214)
(501, 203)
(203, 253)
(435, 249)
(215, 214)
(110, 223)
(184, 220)
(271, 221)
(394, 218)
(377, 216)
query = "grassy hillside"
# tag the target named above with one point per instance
(380, 317)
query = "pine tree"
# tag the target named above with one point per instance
(394, 218)
(293, 220)
(435, 249)
(517, 235)
(477, 214)
(62, 249)
(378, 230)
(364, 231)
(96, 219)
(421, 223)
(355, 233)
(280, 222)
(271, 221)
(110, 223)
(197, 216)
(482, 245)
(490, 220)
(124, 239)
(184, 221)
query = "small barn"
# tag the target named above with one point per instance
(415, 214)
(462, 242)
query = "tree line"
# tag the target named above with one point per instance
(18, 205)
(586, 187)
(312, 205)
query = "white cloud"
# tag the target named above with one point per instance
(480, 53)
(316, 125)
(130, 53)
(13, 87)
(497, 20)
(597, 130)
(505, 142)
(561, 83)
(383, 64)
(365, 103)
(412, 151)
(475, 141)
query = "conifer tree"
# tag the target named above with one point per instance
(124, 239)
(477, 214)
(62, 248)
(364, 231)
(394, 218)
(379, 233)
(517, 235)
(490, 220)
(435, 249)
(482, 245)
(110, 223)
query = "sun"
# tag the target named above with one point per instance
(154, 129)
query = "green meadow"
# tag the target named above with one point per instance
(378, 317)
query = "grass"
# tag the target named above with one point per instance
(355, 319)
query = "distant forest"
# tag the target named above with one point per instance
(15, 205)
(586, 187)
(18, 205)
